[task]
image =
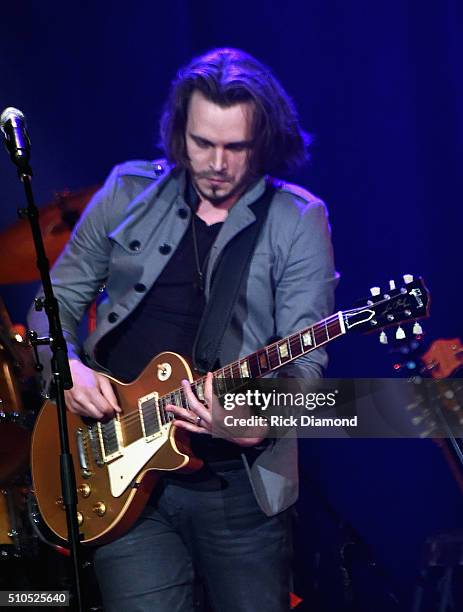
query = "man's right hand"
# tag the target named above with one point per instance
(92, 394)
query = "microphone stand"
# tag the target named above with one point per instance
(61, 375)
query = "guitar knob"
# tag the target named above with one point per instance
(375, 291)
(408, 278)
(80, 518)
(391, 285)
(400, 334)
(84, 489)
(99, 509)
(383, 337)
(417, 329)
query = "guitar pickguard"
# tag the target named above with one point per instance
(124, 469)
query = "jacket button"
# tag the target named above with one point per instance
(165, 249)
(112, 317)
(135, 245)
(140, 287)
(182, 213)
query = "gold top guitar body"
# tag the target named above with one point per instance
(116, 463)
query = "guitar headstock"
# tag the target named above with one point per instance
(393, 307)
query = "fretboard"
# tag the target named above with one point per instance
(265, 360)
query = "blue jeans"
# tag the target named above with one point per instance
(205, 527)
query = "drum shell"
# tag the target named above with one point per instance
(6, 525)
(15, 435)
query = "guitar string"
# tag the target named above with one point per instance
(272, 351)
(133, 420)
(130, 420)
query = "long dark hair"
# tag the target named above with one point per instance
(228, 76)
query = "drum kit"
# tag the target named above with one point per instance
(19, 395)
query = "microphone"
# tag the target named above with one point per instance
(17, 142)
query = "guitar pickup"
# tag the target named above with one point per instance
(110, 438)
(149, 416)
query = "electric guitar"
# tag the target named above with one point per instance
(118, 462)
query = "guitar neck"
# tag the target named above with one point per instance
(398, 305)
(274, 356)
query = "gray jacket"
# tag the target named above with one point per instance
(126, 236)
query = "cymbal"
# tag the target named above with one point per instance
(17, 264)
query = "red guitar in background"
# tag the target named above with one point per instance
(443, 362)
(444, 359)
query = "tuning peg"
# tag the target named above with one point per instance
(408, 278)
(417, 329)
(383, 337)
(375, 291)
(400, 334)
(391, 285)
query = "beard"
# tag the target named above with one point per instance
(217, 194)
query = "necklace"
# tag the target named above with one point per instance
(199, 268)
(193, 200)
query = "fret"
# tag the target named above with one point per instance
(178, 398)
(273, 357)
(236, 371)
(228, 378)
(183, 399)
(244, 368)
(229, 372)
(264, 364)
(169, 415)
(163, 414)
(167, 400)
(307, 339)
(253, 362)
(341, 323)
(335, 329)
(295, 345)
(337, 326)
(320, 334)
(284, 352)
(219, 384)
(200, 389)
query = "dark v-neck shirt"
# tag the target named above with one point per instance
(167, 319)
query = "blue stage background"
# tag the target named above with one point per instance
(379, 87)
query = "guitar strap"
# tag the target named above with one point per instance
(228, 277)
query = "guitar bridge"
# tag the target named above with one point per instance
(81, 451)
(95, 447)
